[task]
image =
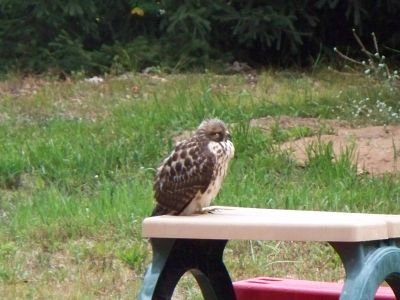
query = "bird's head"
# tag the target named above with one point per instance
(214, 130)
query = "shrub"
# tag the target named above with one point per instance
(95, 35)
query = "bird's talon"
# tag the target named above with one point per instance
(208, 210)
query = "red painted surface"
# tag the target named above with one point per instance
(269, 288)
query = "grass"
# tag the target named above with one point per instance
(77, 162)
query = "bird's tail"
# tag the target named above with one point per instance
(159, 211)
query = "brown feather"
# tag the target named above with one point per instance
(188, 170)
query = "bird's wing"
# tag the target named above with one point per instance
(187, 171)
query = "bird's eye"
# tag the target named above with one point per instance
(217, 136)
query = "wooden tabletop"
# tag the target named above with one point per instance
(234, 223)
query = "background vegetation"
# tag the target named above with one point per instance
(77, 160)
(113, 36)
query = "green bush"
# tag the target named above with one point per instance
(93, 35)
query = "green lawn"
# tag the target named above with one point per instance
(77, 161)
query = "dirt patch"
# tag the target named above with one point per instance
(376, 148)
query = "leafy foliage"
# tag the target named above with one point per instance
(95, 35)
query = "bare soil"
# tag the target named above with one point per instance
(376, 148)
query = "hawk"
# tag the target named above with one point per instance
(191, 176)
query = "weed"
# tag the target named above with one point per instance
(379, 103)
(376, 65)
(134, 257)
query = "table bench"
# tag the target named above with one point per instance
(273, 288)
(368, 245)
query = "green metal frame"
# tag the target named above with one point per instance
(367, 265)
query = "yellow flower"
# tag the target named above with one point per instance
(137, 11)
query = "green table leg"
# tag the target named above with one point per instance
(161, 250)
(367, 265)
(174, 257)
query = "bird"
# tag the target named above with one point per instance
(191, 176)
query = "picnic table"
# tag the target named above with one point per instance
(368, 245)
